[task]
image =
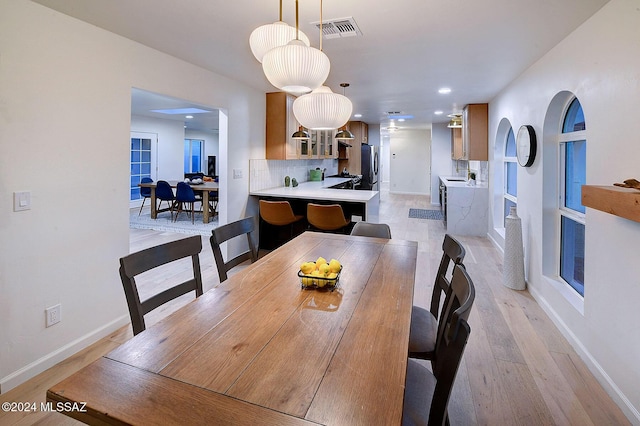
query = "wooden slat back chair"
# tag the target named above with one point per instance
(426, 393)
(145, 260)
(368, 229)
(424, 323)
(226, 232)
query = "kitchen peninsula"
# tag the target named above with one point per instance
(361, 203)
(466, 206)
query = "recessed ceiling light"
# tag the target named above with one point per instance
(400, 119)
(438, 112)
(444, 90)
(188, 116)
(357, 115)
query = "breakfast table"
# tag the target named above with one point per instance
(205, 187)
(259, 349)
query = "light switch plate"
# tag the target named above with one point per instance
(21, 201)
(237, 173)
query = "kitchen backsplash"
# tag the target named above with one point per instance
(265, 174)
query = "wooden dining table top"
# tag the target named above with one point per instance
(204, 186)
(259, 349)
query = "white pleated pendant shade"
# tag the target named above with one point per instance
(322, 109)
(270, 36)
(295, 67)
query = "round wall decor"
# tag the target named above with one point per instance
(526, 145)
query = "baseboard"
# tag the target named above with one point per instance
(31, 370)
(594, 367)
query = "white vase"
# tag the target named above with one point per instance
(513, 268)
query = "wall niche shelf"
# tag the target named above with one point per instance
(615, 200)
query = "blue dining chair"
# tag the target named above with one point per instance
(185, 195)
(165, 193)
(145, 192)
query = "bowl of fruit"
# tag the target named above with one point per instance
(320, 274)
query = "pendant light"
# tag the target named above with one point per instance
(322, 109)
(456, 121)
(301, 134)
(344, 133)
(295, 67)
(266, 37)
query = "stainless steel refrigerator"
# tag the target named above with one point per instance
(369, 167)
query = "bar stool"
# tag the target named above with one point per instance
(328, 217)
(279, 214)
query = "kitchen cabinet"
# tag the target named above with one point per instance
(472, 141)
(281, 124)
(321, 144)
(360, 131)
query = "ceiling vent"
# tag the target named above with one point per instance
(336, 28)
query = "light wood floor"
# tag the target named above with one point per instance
(517, 368)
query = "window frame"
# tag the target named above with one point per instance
(187, 160)
(563, 211)
(506, 160)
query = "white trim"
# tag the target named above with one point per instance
(596, 369)
(49, 360)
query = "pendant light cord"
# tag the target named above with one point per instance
(280, 10)
(297, 29)
(321, 25)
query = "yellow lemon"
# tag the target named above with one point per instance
(334, 266)
(307, 281)
(324, 269)
(332, 275)
(321, 261)
(307, 267)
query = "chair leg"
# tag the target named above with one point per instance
(143, 200)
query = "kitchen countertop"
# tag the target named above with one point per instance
(457, 184)
(319, 190)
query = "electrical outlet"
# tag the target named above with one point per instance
(52, 315)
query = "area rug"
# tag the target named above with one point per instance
(164, 223)
(425, 214)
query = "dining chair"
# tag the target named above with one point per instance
(145, 260)
(185, 195)
(279, 214)
(368, 229)
(426, 393)
(327, 217)
(424, 323)
(165, 193)
(227, 232)
(213, 202)
(145, 191)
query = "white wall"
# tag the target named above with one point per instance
(65, 97)
(410, 162)
(595, 63)
(440, 157)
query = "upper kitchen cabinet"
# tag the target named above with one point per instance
(281, 124)
(475, 131)
(360, 131)
(472, 141)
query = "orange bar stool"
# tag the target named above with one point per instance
(328, 218)
(279, 214)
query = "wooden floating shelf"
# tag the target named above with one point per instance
(615, 200)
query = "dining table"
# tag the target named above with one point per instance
(205, 188)
(261, 349)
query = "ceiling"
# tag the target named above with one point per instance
(407, 51)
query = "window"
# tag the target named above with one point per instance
(140, 164)
(510, 173)
(193, 155)
(573, 158)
